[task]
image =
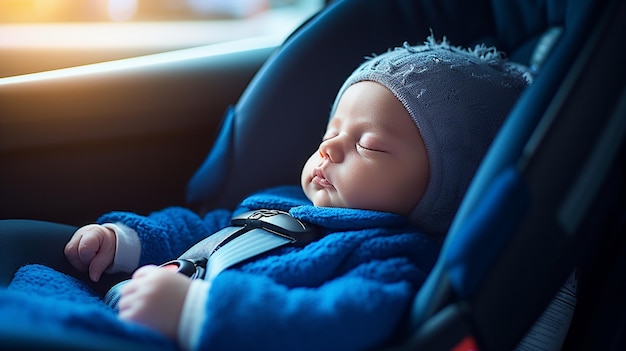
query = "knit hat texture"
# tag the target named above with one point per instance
(458, 98)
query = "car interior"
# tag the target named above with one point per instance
(203, 127)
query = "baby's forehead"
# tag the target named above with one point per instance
(367, 101)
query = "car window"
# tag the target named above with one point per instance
(41, 35)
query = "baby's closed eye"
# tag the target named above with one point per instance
(358, 145)
(371, 143)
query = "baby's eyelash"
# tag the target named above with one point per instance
(367, 148)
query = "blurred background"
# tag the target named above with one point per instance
(40, 35)
(21, 11)
(78, 140)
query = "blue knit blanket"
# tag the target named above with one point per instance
(43, 302)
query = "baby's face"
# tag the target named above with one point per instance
(372, 156)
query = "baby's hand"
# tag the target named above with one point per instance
(155, 298)
(91, 248)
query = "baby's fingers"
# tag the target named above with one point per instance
(89, 245)
(92, 248)
(71, 252)
(102, 260)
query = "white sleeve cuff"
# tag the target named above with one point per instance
(192, 316)
(127, 248)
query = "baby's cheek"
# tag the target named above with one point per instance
(307, 170)
(365, 192)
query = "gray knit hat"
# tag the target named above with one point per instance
(458, 98)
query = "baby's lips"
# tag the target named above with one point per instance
(320, 178)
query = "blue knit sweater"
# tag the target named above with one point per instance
(349, 290)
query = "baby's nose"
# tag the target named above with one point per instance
(330, 150)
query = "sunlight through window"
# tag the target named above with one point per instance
(67, 33)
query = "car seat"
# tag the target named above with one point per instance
(548, 198)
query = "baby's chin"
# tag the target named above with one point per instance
(320, 197)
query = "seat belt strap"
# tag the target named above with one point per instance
(251, 234)
(251, 244)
